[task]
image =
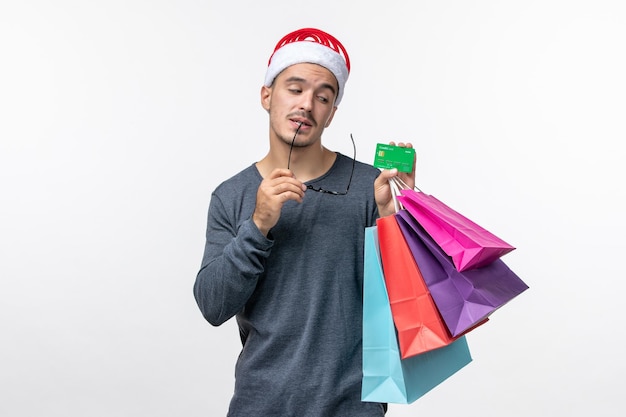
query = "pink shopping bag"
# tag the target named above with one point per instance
(468, 244)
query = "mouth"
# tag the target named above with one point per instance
(301, 122)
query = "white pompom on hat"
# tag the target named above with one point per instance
(310, 46)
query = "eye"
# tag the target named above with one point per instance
(295, 90)
(323, 99)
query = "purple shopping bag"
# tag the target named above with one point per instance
(469, 244)
(466, 298)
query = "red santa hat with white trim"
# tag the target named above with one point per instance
(312, 46)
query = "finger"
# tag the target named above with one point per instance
(290, 187)
(405, 144)
(291, 195)
(281, 173)
(282, 184)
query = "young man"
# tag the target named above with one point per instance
(284, 246)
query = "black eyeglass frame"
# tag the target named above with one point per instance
(321, 190)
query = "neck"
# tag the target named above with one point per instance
(307, 162)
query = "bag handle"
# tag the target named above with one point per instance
(403, 185)
(395, 192)
(397, 184)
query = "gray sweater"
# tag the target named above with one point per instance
(296, 295)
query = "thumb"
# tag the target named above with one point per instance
(383, 178)
(388, 174)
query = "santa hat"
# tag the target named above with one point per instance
(310, 46)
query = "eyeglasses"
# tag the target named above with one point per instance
(321, 190)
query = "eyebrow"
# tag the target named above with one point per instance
(302, 80)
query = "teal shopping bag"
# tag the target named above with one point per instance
(386, 377)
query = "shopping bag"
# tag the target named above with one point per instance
(469, 245)
(386, 377)
(420, 327)
(462, 298)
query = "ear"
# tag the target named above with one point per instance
(330, 118)
(266, 97)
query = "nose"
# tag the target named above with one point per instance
(306, 101)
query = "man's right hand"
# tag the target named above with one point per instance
(280, 186)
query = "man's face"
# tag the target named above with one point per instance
(302, 93)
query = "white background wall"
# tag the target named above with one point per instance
(118, 118)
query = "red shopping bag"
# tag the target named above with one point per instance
(419, 325)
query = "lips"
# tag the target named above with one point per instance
(304, 122)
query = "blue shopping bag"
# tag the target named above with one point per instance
(386, 377)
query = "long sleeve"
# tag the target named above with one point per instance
(234, 258)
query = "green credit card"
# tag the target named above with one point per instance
(389, 156)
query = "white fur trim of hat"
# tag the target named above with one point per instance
(299, 48)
